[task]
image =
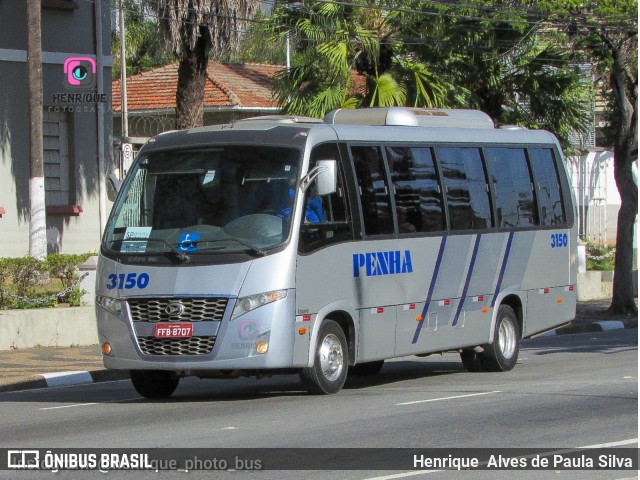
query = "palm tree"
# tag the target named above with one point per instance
(144, 49)
(347, 57)
(195, 29)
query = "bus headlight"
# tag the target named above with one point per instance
(111, 305)
(246, 304)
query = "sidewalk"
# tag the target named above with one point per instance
(57, 366)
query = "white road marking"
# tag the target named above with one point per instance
(89, 404)
(613, 444)
(68, 406)
(447, 398)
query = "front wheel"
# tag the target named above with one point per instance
(154, 383)
(501, 355)
(329, 370)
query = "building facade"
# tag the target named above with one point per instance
(77, 125)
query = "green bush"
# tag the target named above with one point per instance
(30, 283)
(600, 258)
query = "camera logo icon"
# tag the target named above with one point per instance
(247, 329)
(80, 72)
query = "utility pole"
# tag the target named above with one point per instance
(123, 74)
(37, 209)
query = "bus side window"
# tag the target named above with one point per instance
(417, 190)
(512, 184)
(374, 190)
(466, 188)
(552, 211)
(326, 218)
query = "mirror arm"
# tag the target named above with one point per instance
(311, 176)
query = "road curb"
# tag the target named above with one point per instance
(599, 326)
(63, 379)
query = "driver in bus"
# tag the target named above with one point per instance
(314, 213)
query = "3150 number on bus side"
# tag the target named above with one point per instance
(559, 240)
(128, 281)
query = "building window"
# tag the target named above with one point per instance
(55, 130)
(60, 4)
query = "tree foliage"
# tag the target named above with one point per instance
(194, 30)
(144, 49)
(431, 54)
(606, 33)
(347, 56)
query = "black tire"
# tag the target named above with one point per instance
(330, 366)
(472, 361)
(154, 383)
(502, 354)
(367, 368)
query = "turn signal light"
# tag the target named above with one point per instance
(106, 348)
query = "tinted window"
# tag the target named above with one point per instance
(548, 186)
(466, 188)
(417, 189)
(374, 191)
(326, 218)
(512, 185)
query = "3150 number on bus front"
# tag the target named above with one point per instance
(128, 281)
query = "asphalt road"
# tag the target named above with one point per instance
(566, 392)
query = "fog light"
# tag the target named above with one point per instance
(262, 347)
(106, 348)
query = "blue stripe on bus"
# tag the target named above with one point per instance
(474, 255)
(431, 288)
(502, 269)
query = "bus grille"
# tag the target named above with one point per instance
(189, 309)
(176, 346)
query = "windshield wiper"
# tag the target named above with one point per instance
(252, 248)
(181, 256)
(173, 252)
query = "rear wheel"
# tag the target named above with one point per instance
(154, 383)
(501, 355)
(329, 370)
(367, 368)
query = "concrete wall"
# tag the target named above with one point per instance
(50, 327)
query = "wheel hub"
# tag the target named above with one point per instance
(331, 357)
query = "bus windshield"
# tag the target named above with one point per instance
(227, 199)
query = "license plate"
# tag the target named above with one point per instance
(174, 330)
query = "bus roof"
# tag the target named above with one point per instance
(410, 117)
(388, 124)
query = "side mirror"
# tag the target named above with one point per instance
(327, 178)
(325, 173)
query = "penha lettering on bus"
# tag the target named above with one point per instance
(382, 263)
